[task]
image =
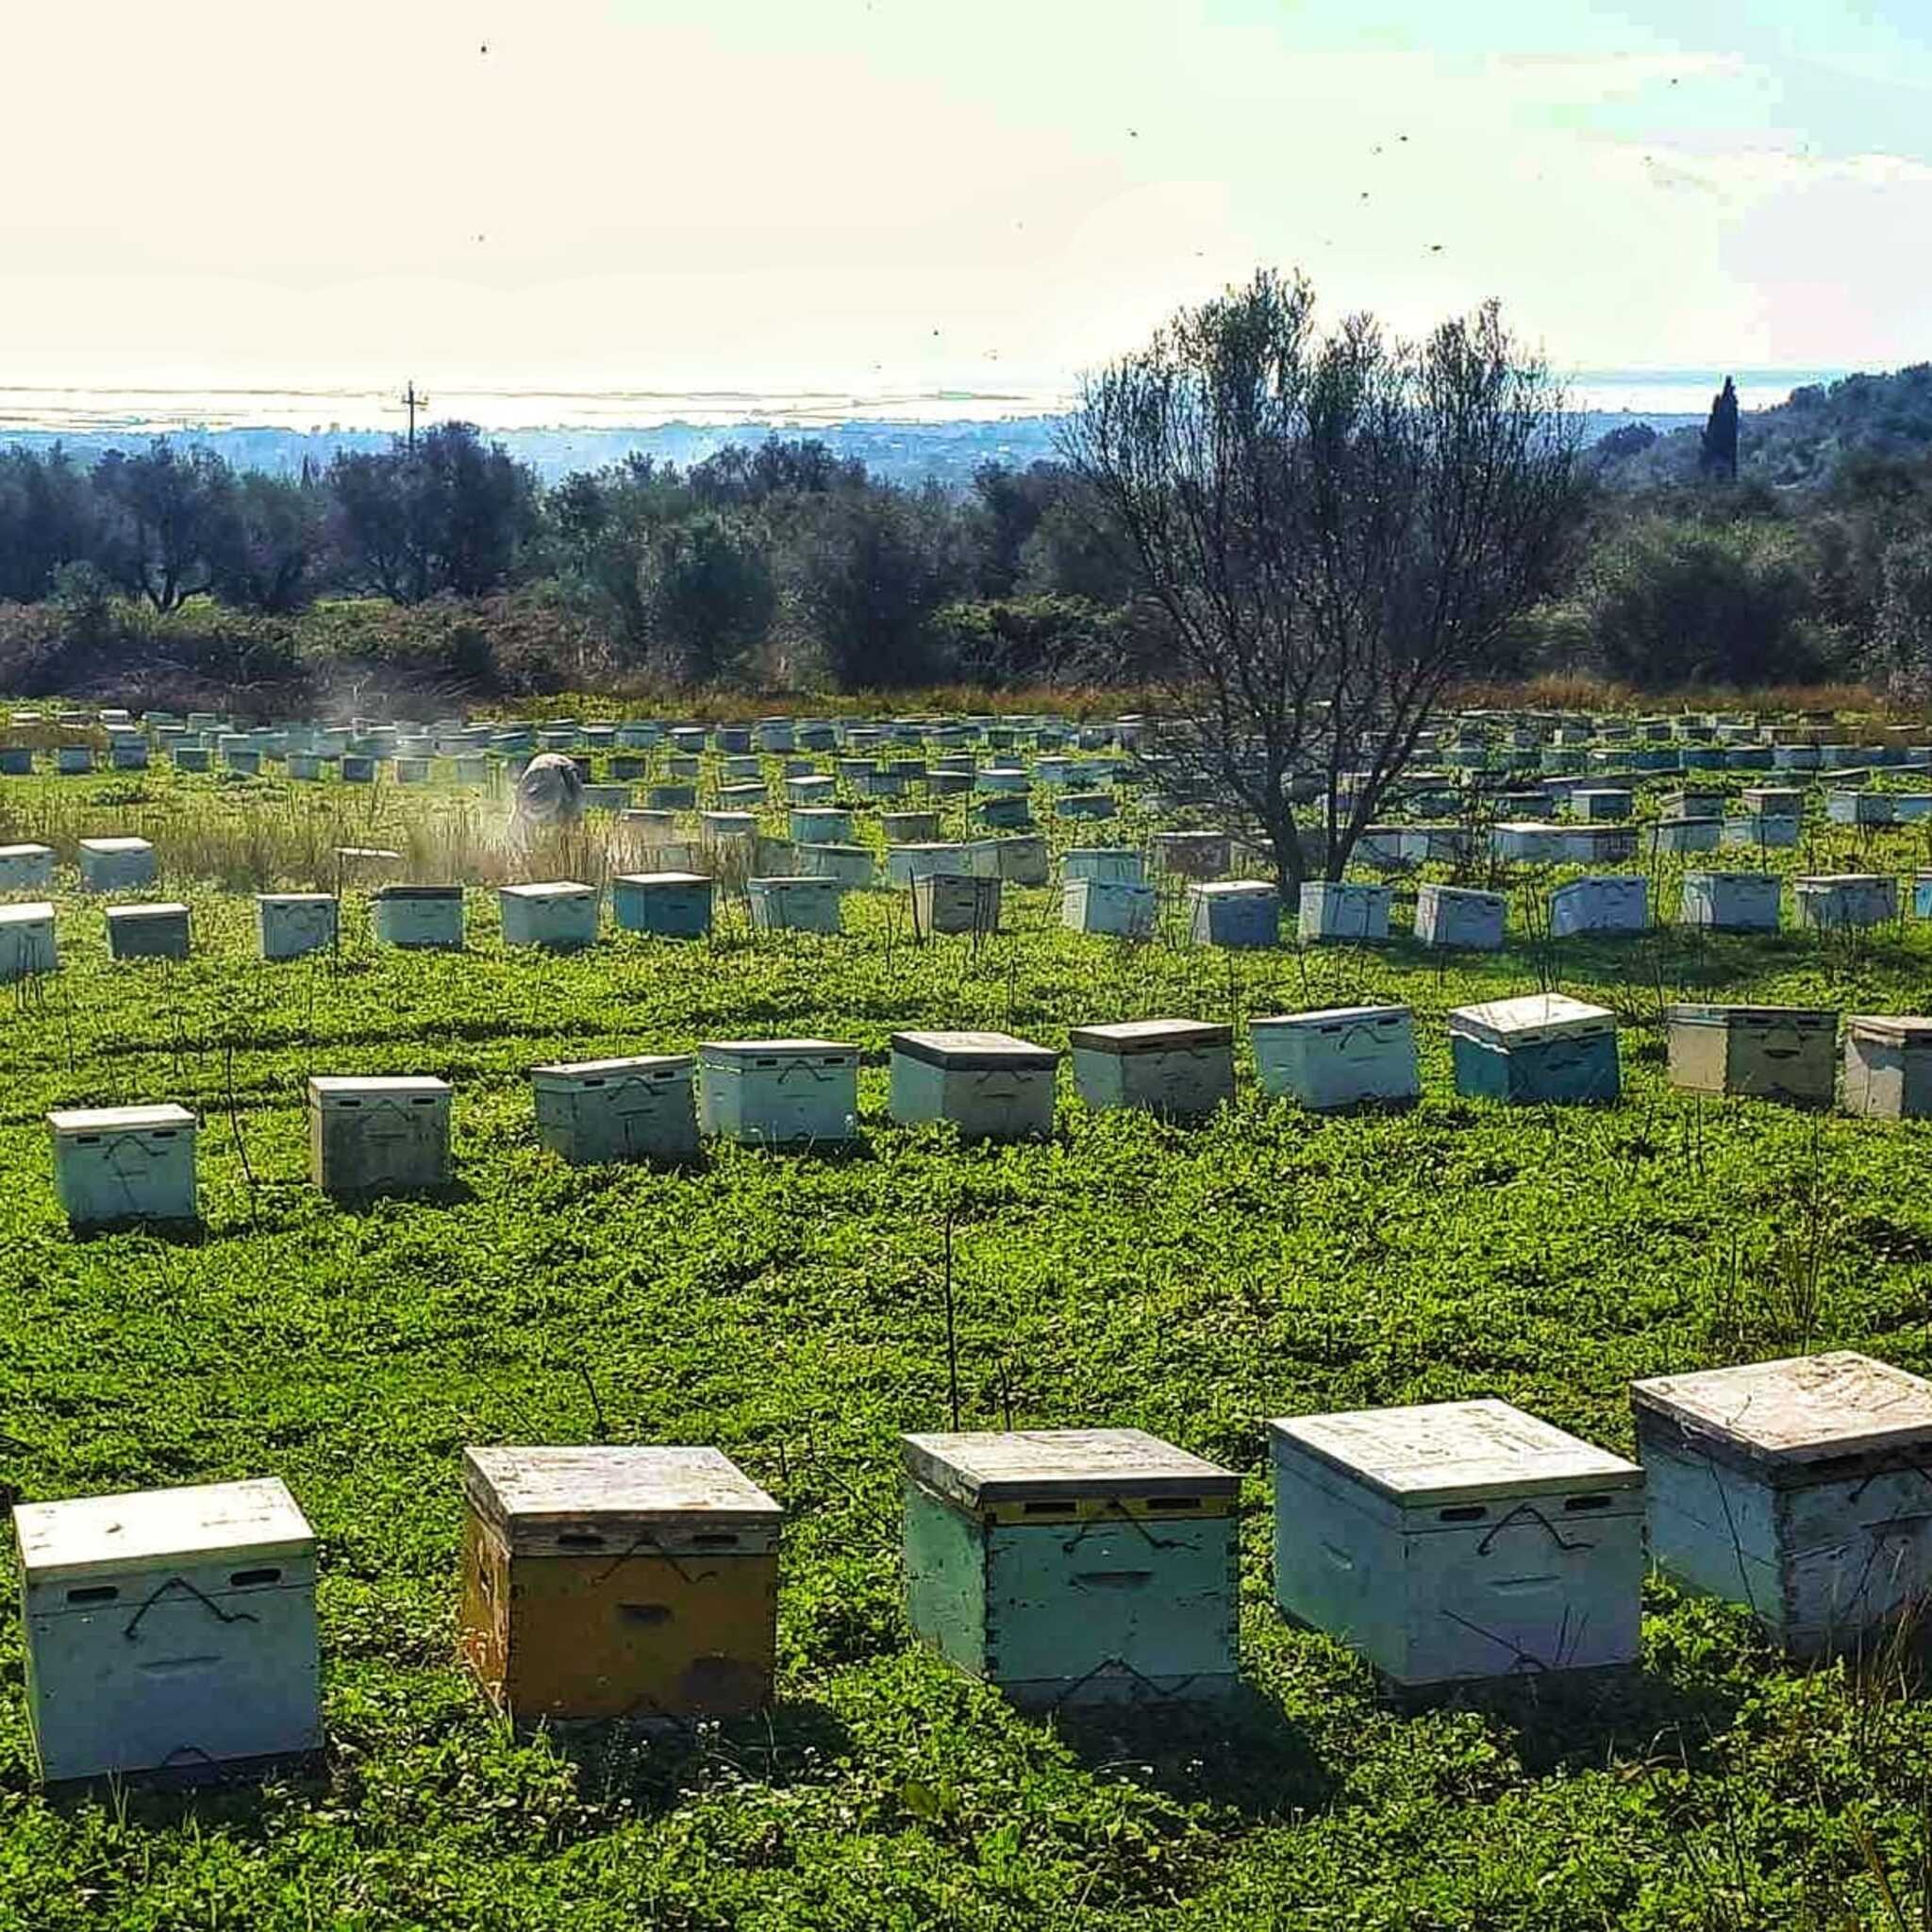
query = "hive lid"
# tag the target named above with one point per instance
(662, 878)
(1791, 1416)
(1531, 1018)
(28, 912)
(108, 847)
(746, 1049)
(1895, 1030)
(1443, 1451)
(26, 852)
(636, 1064)
(109, 1536)
(1830, 879)
(816, 882)
(550, 888)
(159, 909)
(119, 1120)
(1323, 1018)
(417, 892)
(294, 898)
(1151, 1036)
(1025, 1465)
(969, 1051)
(535, 1496)
(1698, 1013)
(373, 1085)
(1235, 888)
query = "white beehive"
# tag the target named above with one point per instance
(990, 1086)
(25, 868)
(116, 865)
(1459, 916)
(1180, 1068)
(1530, 841)
(1730, 901)
(292, 923)
(1796, 1488)
(673, 905)
(1687, 834)
(27, 946)
(799, 903)
(1610, 903)
(1843, 902)
(1108, 905)
(779, 1093)
(157, 931)
(124, 1163)
(560, 914)
(418, 915)
(378, 1134)
(1338, 1057)
(1772, 1053)
(1458, 1540)
(904, 864)
(1019, 861)
(169, 1631)
(640, 1108)
(1234, 912)
(1109, 863)
(1888, 1066)
(944, 901)
(1333, 910)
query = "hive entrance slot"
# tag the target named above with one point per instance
(1052, 1506)
(580, 1540)
(1574, 1505)
(1463, 1513)
(644, 1613)
(250, 1579)
(94, 1593)
(1114, 1579)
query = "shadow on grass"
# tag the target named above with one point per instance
(366, 1201)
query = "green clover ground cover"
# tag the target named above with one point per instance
(1192, 1281)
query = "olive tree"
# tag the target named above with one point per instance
(1325, 532)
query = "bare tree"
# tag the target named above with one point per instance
(1327, 531)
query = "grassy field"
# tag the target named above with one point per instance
(789, 1310)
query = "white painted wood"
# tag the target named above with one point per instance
(1337, 1056)
(977, 1468)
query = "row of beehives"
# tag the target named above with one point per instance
(393, 1133)
(1448, 1542)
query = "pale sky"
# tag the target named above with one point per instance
(820, 194)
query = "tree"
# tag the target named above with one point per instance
(46, 521)
(1717, 454)
(706, 585)
(266, 548)
(1905, 616)
(170, 511)
(1326, 531)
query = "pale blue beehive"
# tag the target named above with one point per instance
(1234, 912)
(1179, 1068)
(1859, 807)
(1106, 862)
(73, 761)
(1542, 1046)
(1608, 903)
(904, 864)
(1888, 1066)
(116, 865)
(171, 1630)
(851, 866)
(779, 1093)
(157, 931)
(1116, 907)
(821, 826)
(25, 868)
(1005, 812)
(1191, 854)
(291, 924)
(670, 905)
(1337, 1056)
(428, 916)
(951, 902)
(16, 760)
(810, 789)
(1087, 805)
(1761, 829)
(1731, 901)
(1529, 842)
(799, 903)
(1073, 1565)
(989, 1086)
(116, 1164)
(1331, 910)
(558, 914)
(1687, 834)
(378, 1134)
(671, 797)
(1020, 859)
(1796, 1488)
(638, 1108)
(1458, 1540)
(1846, 902)
(1459, 916)
(27, 944)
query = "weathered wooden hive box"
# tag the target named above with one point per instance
(1771, 1052)
(1843, 902)
(1594, 845)
(169, 1631)
(1337, 1056)
(1460, 916)
(1193, 854)
(1773, 801)
(1688, 835)
(73, 761)
(1796, 1488)
(639, 1108)
(1108, 905)
(1859, 807)
(1761, 829)
(157, 931)
(1109, 863)
(672, 905)
(418, 915)
(1888, 1066)
(618, 1582)
(673, 797)
(114, 1165)
(779, 1093)
(1730, 901)
(820, 825)
(1609, 903)
(378, 1134)
(27, 944)
(688, 738)
(1601, 803)
(1087, 805)
(1531, 842)
(909, 828)
(25, 868)
(1458, 1540)
(1020, 859)
(990, 1086)
(1073, 1565)
(610, 798)
(1004, 813)
(116, 865)
(774, 734)
(904, 864)
(945, 902)
(1235, 912)
(1332, 910)
(1179, 1068)
(1542, 1046)
(741, 795)
(305, 766)
(797, 904)
(291, 924)
(851, 866)
(1000, 778)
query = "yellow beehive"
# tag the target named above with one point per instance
(618, 1582)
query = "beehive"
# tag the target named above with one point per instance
(25, 868)
(1888, 1066)
(1458, 1540)
(1859, 807)
(1193, 854)
(1762, 830)
(672, 905)
(671, 797)
(944, 901)
(291, 924)
(909, 828)
(990, 1086)
(1539, 1047)
(813, 827)
(558, 914)
(1109, 863)
(1108, 905)
(779, 1093)
(1687, 834)
(169, 1631)
(640, 1108)
(1796, 1488)
(16, 760)
(1020, 860)
(1179, 1068)
(147, 932)
(1730, 901)
(418, 915)
(1459, 916)
(1772, 1052)
(1609, 903)
(1235, 912)
(1843, 902)
(1600, 803)
(1005, 814)
(73, 761)
(904, 864)
(27, 946)
(1529, 840)
(1073, 1565)
(805, 904)
(1337, 1056)
(1087, 805)
(1332, 910)
(378, 1134)
(116, 865)
(114, 1165)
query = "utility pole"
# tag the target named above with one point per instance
(412, 402)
